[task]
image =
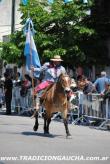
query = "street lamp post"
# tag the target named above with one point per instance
(13, 17)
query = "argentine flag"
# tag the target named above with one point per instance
(50, 1)
(24, 2)
(85, 1)
(30, 52)
(66, 1)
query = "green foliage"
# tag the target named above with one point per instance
(96, 46)
(61, 29)
(10, 52)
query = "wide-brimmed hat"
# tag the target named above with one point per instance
(56, 58)
(103, 73)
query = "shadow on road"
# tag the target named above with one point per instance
(40, 134)
(1, 162)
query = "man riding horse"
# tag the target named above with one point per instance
(51, 71)
(57, 84)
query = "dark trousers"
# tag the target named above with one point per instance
(8, 99)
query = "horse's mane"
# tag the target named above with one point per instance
(62, 74)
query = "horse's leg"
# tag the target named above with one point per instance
(47, 120)
(36, 121)
(66, 123)
(48, 123)
(66, 127)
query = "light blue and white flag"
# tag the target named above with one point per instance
(25, 2)
(66, 1)
(85, 1)
(50, 1)
(30, 51)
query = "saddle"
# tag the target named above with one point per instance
(43, 96)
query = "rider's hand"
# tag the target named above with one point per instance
(34, 92)
(101, 94)
(32, 68)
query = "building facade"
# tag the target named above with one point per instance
(6, 18)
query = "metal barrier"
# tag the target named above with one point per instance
(93, 106)
(84, 107)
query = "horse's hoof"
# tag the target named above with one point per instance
(45, 132)
(69, 137)
(35, 128)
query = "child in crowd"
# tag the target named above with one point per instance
(106, 95)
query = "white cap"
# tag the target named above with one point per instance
(103, 73)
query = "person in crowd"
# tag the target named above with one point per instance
(79, 71)
(8, 85)
(84, 86)
(69, 72)
(16, 92)
(52, 71)
(87, 91)
(25, 92)
(73, 85)
(88, 88)
(106, 95)
(80, 86)
(81, 82)
(99, 84)
(1, 94)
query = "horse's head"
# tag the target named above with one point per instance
(65, 82)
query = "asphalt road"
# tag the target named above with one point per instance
(20, 144)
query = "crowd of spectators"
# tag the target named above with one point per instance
(16, 93)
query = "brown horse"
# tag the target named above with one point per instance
(56, 100)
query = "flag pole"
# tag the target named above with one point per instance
(25, 2)
(33, 96)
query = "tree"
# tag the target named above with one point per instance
(60, 29)
(96, 45)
